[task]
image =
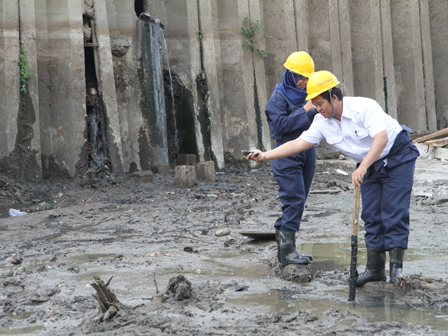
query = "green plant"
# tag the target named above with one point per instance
(250, 31)
(200, 35)
(24, 72)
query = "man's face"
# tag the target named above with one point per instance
(323, 106)
(301, 83)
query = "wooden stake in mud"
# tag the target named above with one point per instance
(109, 305)
(354, 257)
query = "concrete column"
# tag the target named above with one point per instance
(105, 72)
(439, 40)
(195, 67)
(335, 39)
(60, 58)
(211, 58)
(256, 11)
(124, 25)
(406, 32)
(319, 34)
(377, 53)
(243, 114)
(181, 19)
(301, 15)
(388, 59)
(279, 20)
(237, 100)
(370, 39)
(28, 43)
(346, 47)
(427, 66)
(9, 75)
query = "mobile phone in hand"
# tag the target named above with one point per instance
(245, 152)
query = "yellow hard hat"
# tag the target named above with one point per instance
(300, 63)
(320, 82)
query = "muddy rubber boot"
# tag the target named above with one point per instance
(287, 253)
(375, 268)
(396, 263)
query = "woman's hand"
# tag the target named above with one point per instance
(253, 156)
(308, 106)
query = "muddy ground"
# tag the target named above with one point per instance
(173, 276)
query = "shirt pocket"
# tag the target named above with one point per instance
(361, 133)
(334, 139)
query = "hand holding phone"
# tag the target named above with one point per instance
(246, 152)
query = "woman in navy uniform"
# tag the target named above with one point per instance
(385, 154)
(288, 115)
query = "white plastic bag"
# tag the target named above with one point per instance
(14, 212)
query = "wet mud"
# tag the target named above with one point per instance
(172, 275)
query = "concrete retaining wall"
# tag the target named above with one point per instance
(393, 51)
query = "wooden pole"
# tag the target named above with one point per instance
(354, 245)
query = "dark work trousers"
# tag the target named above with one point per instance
(386, 196)
(294, 175)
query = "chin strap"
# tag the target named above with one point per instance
(332, 107)
(295, 81)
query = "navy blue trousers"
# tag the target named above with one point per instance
(386, 197)
(294, 175)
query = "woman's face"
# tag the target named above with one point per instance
(301, 83)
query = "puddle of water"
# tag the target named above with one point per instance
(20, 331)
(337, 256)
(384, 308)
(251, 270)
(22, 316)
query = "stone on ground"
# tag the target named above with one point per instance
(184, 176)
(206, 171)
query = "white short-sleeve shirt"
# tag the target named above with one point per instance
(362, 118)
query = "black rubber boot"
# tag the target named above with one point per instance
(396, 263)
(287, 253)
(375, 268)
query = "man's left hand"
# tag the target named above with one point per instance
(358, 176)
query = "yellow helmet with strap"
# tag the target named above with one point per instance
(300, 63)
(320, 82)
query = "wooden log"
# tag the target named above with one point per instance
(437, 143)
(431, 136)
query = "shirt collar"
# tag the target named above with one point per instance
(346, 113)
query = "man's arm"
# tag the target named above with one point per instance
(290, 148)
(379, 142)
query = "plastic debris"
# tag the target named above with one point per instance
(222, 232)
(23, 269)
(14, 212)
(341, 172)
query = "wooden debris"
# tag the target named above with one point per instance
(155, 283)
(327, 191)
(193, 236)
(431, 135)
(107, 300)
(437, 143)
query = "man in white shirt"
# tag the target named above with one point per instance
(360, 129)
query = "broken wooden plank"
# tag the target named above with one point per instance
(431, 136)
(437, 143)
